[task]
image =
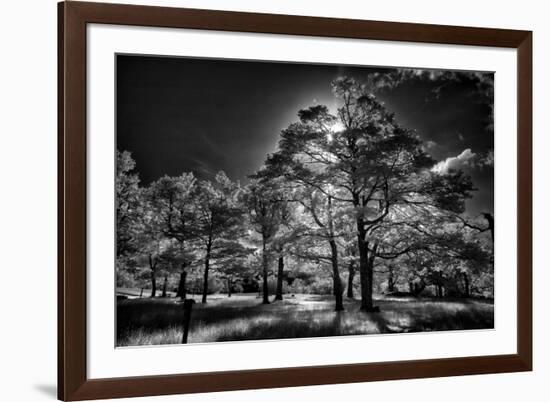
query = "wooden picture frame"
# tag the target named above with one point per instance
(73, 383)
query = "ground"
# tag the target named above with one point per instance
(154, 321)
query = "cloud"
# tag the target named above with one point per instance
(487, 160)
(203, 167)
(482, 84)
(431, 144)
(454, 162)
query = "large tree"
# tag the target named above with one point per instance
(263, 203)
(321, 216)
(217, 221)
(363, 158)
(283, 196)
(284, 236)
(170, 200)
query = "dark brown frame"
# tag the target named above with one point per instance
(73, 383)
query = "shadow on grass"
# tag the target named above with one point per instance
(158, 321)
(161, 313)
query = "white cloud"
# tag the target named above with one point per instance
(454, 162)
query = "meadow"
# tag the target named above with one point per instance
(156, 321)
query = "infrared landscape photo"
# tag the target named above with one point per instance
(273, 200)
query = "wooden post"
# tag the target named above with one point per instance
(187, 307)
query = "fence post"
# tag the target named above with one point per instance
(187, 307)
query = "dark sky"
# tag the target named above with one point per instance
(181, 114)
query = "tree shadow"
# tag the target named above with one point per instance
(301, 324)
(158, 314)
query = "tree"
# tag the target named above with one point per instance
(170, 200)
(218, 216)
(320, 206)
(448, 256)
(349, 245)
(232, 263)
(466, 254)
(149, 242)
(363, 158)
(284, 235)
(289, 227)
(173, 258)
(128, 202)
(263, 204)
(283, 238)
(479, 226)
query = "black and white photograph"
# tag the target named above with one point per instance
(262, 200)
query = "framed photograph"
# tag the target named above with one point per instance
(253, 201)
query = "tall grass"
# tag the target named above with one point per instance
(243, 317)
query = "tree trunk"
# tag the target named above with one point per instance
(367, 279)
(491, 222)
(337, 281)
(280, 269)
(153, 267)
(182, 287)
(153, 284)
(366, 268)
(351, 275)
(164, 285)
(141, 293)
(228, 287)
(466, 284)
(264, 271)
(391, 279)
(362, 246)
(440, 285)
(370, 280)
(206, 268)
(366, 301)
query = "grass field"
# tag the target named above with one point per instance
(157, 321)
